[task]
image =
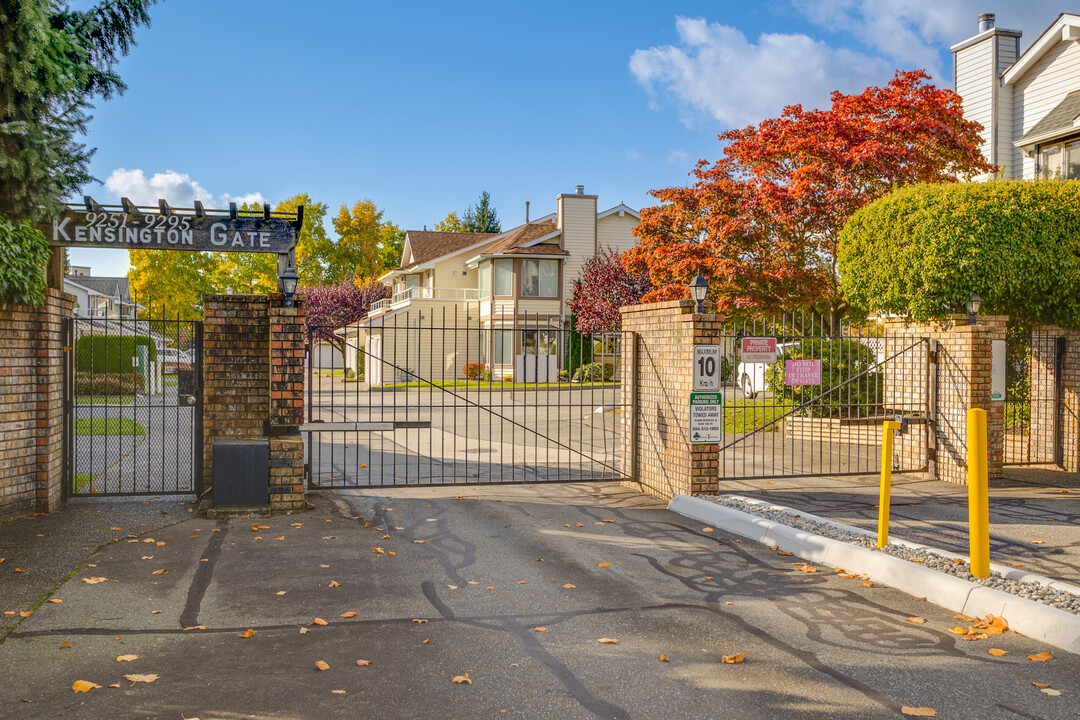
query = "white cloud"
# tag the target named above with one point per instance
(715, 70)
(914, 33)
(677, 157)
(633, 155)
(177, 188)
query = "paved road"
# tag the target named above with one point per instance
(492, 567)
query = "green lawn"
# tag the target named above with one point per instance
(741, 416)
(82, 480)
(171, 382)
(472, 384)
(331, 373)
(108, 426)
(103, 399)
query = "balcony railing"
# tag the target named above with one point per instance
(380, 304)
(422, 293)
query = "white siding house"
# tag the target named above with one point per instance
(1029, 103)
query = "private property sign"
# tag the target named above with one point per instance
(163, 228)
(758, 350)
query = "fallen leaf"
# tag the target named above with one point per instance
(849, 576)
(1038, 542)
(1052, 692)
(473, 582)
(26, 613)
(663, 658)
(155, 612)
(84, 686)
(280, 538)
(1041, 657)
(391, 553)
(281, 592)
(376, 550)
(462, 679)
(65, 644)
(148, 540)
(321, 665)
(159, 544)
(385, 537)
(729, 603)
(196, 627)
(916, 620)
(349, 614)
(296, 524)
(141, 678)
(708, 529)
(997, 652)
(426, 641)
(868, 584)
(116, 529)
(418, 542)
(522, 582)
(808, 569)
(608, 641)
(1041, 685)
(784, 553)
(248, 633)
(147, 557)
(338, 692)
(731, 659)
(318, 621)
(334, 583)
(304, 630)
(580, 525)
(452, 587)
(363, 663)
(603, 564)
(160, 572)
(118, 685)
(419, 621)
(919, 711)
(540, 628)
(569, 586)
(94, 580)
(965, 618)
(324, 566)
(1018, 564)
(490, 587)
(126, 658)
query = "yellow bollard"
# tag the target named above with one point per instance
(978, 494)
(887, 428)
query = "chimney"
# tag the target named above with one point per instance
(986, 22)
(526, 212)
(579, 189)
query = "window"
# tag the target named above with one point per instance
(539, 342)
(412, 281)
(504, 347)
(1060, 161)
(539, 278)
(483, 273)
(504, 277)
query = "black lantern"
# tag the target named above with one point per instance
(287, 283)
(973, 307)
(699, 288)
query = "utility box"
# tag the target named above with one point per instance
(241, 473)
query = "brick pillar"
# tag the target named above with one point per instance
(32, 405)
(963, 381)
(659, 457)
(288, 338)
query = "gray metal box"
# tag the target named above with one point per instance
(241, 473)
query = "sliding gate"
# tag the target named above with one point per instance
(818, 408)
(440, 394)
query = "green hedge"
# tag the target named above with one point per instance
(847, 369)
(110, 353)
(24, 253)
(89, 384)
(924, 250)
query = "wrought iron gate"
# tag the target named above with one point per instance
(828, 421)
(1034, 360)
(446, 393)
(133, 401)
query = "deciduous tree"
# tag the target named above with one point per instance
(763, 222)
(367, 243)
(332, 306)
(605, 285)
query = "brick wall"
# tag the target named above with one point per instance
(665, 463)
(253, 385)
(31, 405)
(963, 382)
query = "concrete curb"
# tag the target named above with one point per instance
(1027, 617)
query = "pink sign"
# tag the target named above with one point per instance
(758, 350)
(802, 372)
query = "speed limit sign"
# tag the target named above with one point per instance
(706, 367)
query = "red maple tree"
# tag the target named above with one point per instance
(762, 223)
(605, 285)
(333, 306)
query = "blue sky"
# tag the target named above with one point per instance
(420, 106)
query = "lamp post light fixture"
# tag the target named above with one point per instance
(973, 307)
(699, 288)
(287, 285)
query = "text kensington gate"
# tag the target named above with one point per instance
(442, 396)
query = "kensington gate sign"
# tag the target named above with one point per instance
(164, 228)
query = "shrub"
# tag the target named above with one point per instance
(589, 373)
(564, 375)
(486, 374)
(924, 250)
(24, 253)
(579, 349)
(609, 371)
(851, 382)
(349, 374)
(472, 370)
(508, 378)
(109, 353)
(88, 384)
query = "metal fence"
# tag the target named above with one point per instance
(818, 408)
(132, 401)
(447, 394)
(1033, 388)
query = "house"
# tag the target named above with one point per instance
(494, 298)
(99, 296)
(1028, 103)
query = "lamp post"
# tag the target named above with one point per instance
(973, 307)
(699, 288)
(287, 285)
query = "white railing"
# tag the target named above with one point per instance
(380, 304)
(422, 293)
(95, 313)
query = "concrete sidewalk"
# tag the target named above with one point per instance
(1034, 515)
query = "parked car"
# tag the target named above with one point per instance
(750, 377)
(173, 359)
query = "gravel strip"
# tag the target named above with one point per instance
(1031, 590)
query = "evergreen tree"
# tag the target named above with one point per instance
(483, 218)
(53, 61)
